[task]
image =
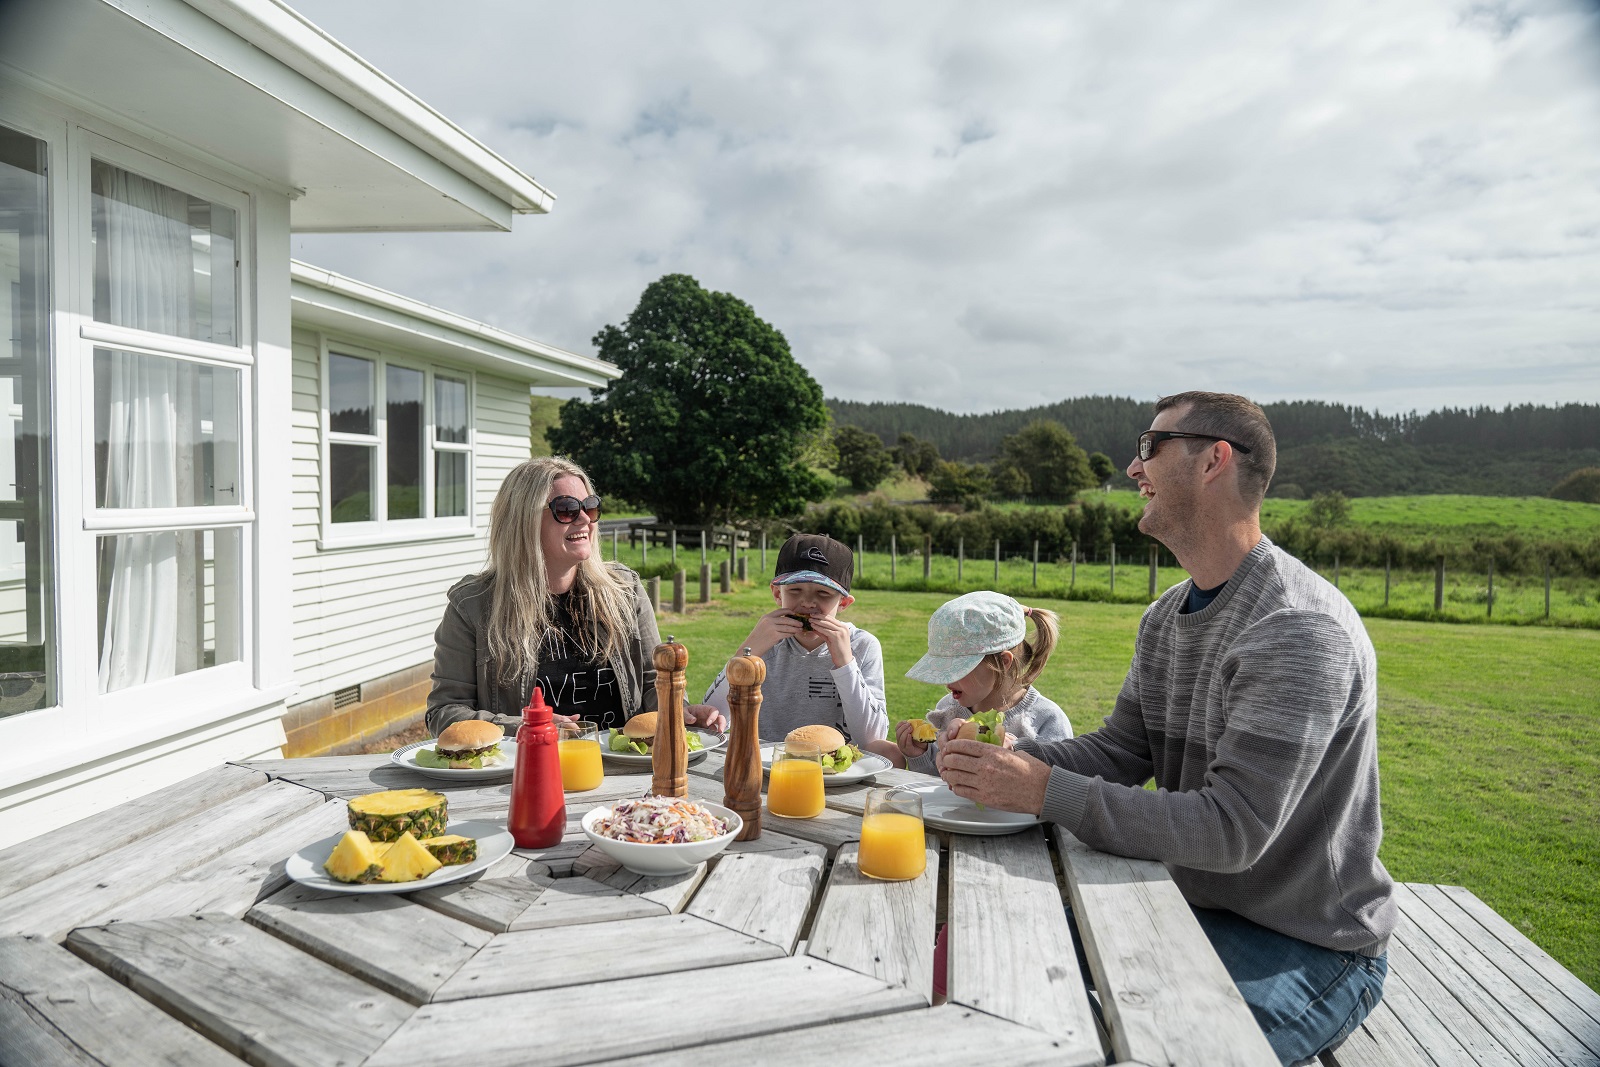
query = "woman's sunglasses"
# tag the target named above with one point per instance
(566, 508)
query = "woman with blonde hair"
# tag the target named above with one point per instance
(546, 611)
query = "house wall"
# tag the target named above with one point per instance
(363, 614)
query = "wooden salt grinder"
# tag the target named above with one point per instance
(669, 756)
(741, 768)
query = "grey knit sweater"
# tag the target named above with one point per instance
(1256, 718)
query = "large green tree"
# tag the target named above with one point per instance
(712, 417)
(1049, 455)
(861, 457)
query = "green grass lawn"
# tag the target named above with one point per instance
(1489, 741)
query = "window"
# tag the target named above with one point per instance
(399, 446)
(169, 389)
(27, 670)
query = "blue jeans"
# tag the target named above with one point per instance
(1305, 998)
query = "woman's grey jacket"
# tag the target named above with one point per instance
(464, 681)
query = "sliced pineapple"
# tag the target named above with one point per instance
(354, 859)
(406, 861)
(385, 816)
(451, 848)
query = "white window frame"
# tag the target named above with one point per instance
(383, 530)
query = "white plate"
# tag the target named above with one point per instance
(710, 739)
(494, 844)
(943, 810)
(862, 770)
(407, 757)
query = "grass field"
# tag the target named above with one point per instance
(1489, 741)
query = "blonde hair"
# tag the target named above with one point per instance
(1028, 660)
(522, 610)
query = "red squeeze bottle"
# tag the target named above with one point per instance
(538, 814)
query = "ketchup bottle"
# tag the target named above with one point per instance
(538, 814)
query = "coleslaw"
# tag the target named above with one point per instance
(660, 821)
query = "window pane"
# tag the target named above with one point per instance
(350, 392)
(163, 260)
(26, 681)
(169, 604)
(403, 405)
(449, 483)
(449, 410)
(166, 432)
(350, 480)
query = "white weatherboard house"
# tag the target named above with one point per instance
(230, 485)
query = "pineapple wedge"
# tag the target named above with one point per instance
(354, 859)
(451, 849)
(407, 861)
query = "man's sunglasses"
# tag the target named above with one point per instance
(1150, 438)
(566, 508)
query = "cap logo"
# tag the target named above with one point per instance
(814, 553)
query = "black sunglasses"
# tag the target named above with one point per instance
(1150, 438)
(566, 508)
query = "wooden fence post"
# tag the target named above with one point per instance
(678, 582)
(1489, 613)
(894, 560)
(1113, 568)
(724, 577)
(927, 556)
(961, 556)
(1438, 586)
(1387, 557)
(654, 589)
(1036, 564)
(672, 535)
(614, 556)
(861, 558)
(705, 536)
(705, 583)
(744, 568)
(997, 561)
(733, 544)
(644, 557)
(1153, 551)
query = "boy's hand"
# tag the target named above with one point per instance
(771, 628)
(909, 747)
(705, 715)
(837, 634)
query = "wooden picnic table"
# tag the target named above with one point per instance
(165, 931)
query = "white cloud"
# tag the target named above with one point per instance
(992, 206)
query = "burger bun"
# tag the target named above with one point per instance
(467, 735)
(640, 727)
(826, 738)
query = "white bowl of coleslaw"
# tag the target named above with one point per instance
(661, 835)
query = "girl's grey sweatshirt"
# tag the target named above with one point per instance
(1257, 719)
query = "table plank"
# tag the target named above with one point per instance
(1166, 996)
(543, 1029)
(40, 857)
(578, 901)
(64, 900)
(398, 946)
(885, 929)
(1514, 1018)
(494, 899)
(932, 1037)
(671, 892)
(1010, 946)
(763, 894)
(1411, 1013)
(1480, 1045)
(522, 961)
(1380, 1041)
(244, 989)
(235, 880)
(56, 1009)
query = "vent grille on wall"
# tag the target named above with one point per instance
(343, 698)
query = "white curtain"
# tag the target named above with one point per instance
(151, 608)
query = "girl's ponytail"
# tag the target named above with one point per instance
(1034, 655)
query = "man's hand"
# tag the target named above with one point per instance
(705, 715)
(837, 634)
(994, 776)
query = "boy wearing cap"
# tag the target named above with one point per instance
(819, 669)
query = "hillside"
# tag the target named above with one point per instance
(1517, 451)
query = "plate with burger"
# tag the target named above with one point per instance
(842, 762)
(469, 751)
(630, 746)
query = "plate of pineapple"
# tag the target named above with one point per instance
(399, 840)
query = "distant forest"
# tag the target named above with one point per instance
(1514, 451)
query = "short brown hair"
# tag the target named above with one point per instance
(1238, 419)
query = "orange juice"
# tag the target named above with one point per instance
(893, 846)
(794, 788)
(580, 765)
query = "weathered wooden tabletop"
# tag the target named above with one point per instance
(165, 931)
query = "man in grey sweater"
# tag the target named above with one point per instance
(1252, 704)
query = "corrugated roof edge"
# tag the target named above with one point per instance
(293, 40)
(322, 278)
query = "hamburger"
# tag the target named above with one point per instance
(639, 733)
(837, 753)
(988, 727)
(801, 618)
(472, 743)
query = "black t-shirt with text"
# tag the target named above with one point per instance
(573, 682)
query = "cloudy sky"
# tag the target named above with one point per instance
(1393, 204)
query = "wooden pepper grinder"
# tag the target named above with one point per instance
(669, 756)
(741, 768)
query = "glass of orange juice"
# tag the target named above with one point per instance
(580, 756)
(794, 784)
(893, 841)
